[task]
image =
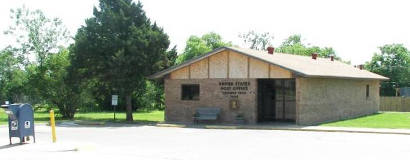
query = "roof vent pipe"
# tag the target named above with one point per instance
(314, 56)
(361, 67)
(332, 58)
(271, 50)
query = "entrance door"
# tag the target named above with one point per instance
(266, 95)
(276, 100)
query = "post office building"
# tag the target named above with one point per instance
(264, 86)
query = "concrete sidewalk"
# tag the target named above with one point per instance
(131, 141)
(292, 127)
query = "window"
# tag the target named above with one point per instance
(367, 91)
(190, 92)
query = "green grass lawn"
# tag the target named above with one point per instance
(43, 117)
(379, 120)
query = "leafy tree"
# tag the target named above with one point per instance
(255, 40)
(196, 46)
(35, 34)
(153, 97)
(119, 47)
(20, 85)
(293, 40)
(393, 61)
(38, 36)
(12, 78)
(214, 40)
(59, 89)
(171, 57)
(293, 45)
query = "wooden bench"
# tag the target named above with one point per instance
(206, 114)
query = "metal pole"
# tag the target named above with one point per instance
(114, 112)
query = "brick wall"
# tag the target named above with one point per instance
(321, 100)
(211, 95)
(318, 100)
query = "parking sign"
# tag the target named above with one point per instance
(114, 100)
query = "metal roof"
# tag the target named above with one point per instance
(303, 66)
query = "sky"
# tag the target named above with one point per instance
(355, 29)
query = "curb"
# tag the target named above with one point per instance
(171, 125)
(277, 128)
(89, 122)
(221, 127)
(354, 131)
(79, 122)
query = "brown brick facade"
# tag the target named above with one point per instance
(321, 100)
(211, 95)
(317, 99)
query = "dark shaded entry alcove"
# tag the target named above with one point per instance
(276, 100)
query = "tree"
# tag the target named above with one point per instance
(151, 98)
(213, 40)
(196, 46)
(119, 47)
(393, 61)
(293, 45)
(255, 40)
(293, 40)
(12, 78)
(60, 89)
(35, 34)
(154, 95)
(171, 57)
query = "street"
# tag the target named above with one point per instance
(150, 142)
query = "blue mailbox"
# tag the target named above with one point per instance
(21, 121)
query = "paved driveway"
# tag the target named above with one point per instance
(148, 142)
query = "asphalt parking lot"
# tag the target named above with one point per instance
(150, 142)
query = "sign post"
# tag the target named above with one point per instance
(114, 102)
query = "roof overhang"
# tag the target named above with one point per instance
(161, 74)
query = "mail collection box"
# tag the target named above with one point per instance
(21, 121)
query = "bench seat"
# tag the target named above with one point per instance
(207, 113)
